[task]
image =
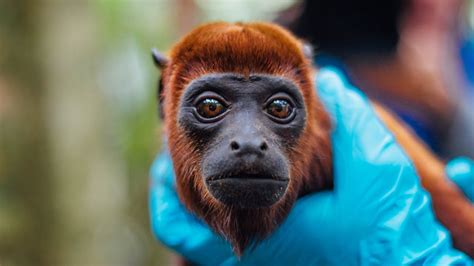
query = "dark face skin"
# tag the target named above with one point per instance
(244, 129)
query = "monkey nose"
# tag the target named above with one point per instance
(249, 146)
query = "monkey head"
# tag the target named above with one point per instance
(245, 130)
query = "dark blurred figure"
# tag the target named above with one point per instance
(408, 54)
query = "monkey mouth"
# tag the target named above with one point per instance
(248, 191)
(245, 177)
(249, 180)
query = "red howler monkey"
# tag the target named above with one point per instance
(248, 135)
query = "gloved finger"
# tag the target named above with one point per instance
(461, 172)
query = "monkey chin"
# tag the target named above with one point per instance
(247, 208)
(248, 191)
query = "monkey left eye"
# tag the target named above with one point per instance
(210, 108)
(279, 108)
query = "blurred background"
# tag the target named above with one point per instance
(78, 121)
(79, 127)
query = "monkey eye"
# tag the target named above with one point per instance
(279, 108)
(210, 108)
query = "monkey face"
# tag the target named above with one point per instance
(244, 129)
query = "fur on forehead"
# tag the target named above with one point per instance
(239, 48)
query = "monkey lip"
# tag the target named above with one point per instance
(248, 191)
(248, 178)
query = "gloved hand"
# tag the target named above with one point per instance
(377, 213)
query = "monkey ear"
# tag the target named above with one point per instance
(159, 59)
(308, 50)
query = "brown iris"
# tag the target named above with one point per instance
(279, 108)
(209, 108)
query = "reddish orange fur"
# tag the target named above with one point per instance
(244, 49)
(266, 48)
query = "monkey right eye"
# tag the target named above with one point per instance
(210, 108)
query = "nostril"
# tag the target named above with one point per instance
(264, 146)
(234, 145)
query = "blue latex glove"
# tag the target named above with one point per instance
(376, 214)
